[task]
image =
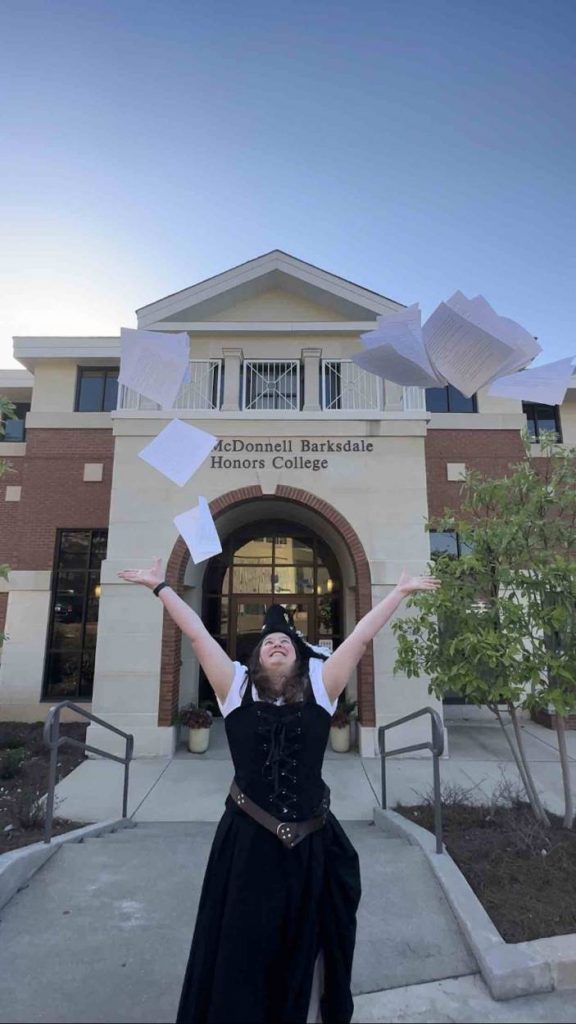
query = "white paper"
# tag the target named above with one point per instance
(471, 345)
(395, 351)
(385, 361)
(197, 529)
(178, 451)
(546, 384)
(480, 312)
(467, 356)
(156, 365)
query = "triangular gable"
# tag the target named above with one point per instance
(272, 278)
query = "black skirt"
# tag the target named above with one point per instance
(265, 913)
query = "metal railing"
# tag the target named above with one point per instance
(201, 390)
(54, 741)
(437, 749)
(347, 386)
(273, 384)
(414, 399)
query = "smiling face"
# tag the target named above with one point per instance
(277, 651)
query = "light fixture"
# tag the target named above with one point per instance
(329, 585)
(97, 590)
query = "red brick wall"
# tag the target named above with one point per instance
(54, 494)
(489, 451)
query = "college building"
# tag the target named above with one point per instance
(321, 485)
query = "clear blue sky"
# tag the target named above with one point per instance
(412, 146)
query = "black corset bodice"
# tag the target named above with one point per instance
(278, 752)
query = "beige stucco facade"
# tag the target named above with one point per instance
(273, 308)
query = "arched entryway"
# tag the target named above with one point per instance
(338, 550)
(272, 561)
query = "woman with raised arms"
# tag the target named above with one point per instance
(276, 923)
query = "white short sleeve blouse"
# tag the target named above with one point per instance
(234, 698)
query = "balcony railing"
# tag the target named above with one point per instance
(277, 385)
(274, 384)
(203, 390)
(348, 387)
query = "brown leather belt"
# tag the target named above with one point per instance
(290, 833)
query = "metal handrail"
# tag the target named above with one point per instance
(437, 748)
(54, 740)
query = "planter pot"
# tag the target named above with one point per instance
(340, 738)
(198, 740)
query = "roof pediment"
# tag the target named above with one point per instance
(275, 287)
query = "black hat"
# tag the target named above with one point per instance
(276, 620)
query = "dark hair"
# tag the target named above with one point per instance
(296, 686)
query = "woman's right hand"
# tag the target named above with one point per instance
(147, 577)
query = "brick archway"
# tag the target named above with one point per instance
(176, 568)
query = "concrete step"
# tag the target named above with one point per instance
(103, 930)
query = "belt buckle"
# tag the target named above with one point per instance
(285, 834)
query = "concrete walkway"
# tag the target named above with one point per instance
(103, 930)
(192, 787)
(461, 1001)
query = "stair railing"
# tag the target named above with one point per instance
(436, 746)
(54, 741)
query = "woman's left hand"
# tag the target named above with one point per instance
(408, 584)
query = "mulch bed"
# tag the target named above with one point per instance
(524, 875)
(19, 794)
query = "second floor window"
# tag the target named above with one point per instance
(14, 427)
(449, 399)
(274, 384)
(541, 417)
(97, 389)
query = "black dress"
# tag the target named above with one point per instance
(266, 911)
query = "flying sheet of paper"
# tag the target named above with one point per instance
(480, 312)
(546, 384)
(156, 365)
(464, 354)
(197, 529)
(471, 345)
(395, 350)
(178, 451)
(385, 361)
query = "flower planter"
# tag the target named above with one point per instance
(198, 740)
(340, 738)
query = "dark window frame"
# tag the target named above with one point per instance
(104, 370)
(448, 394)
(50, 649)
(554, 413)
(7, 420)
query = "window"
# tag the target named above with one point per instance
(14, 428)
(69, 671)
(448, 542)
(97, 389)
(449, 399)
(271, 385)
(541, 417)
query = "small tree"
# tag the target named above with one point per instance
(501, 629)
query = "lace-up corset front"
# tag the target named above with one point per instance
(277, 752)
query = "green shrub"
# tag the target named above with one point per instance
(11, 762)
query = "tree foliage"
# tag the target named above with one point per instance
(501, 630)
